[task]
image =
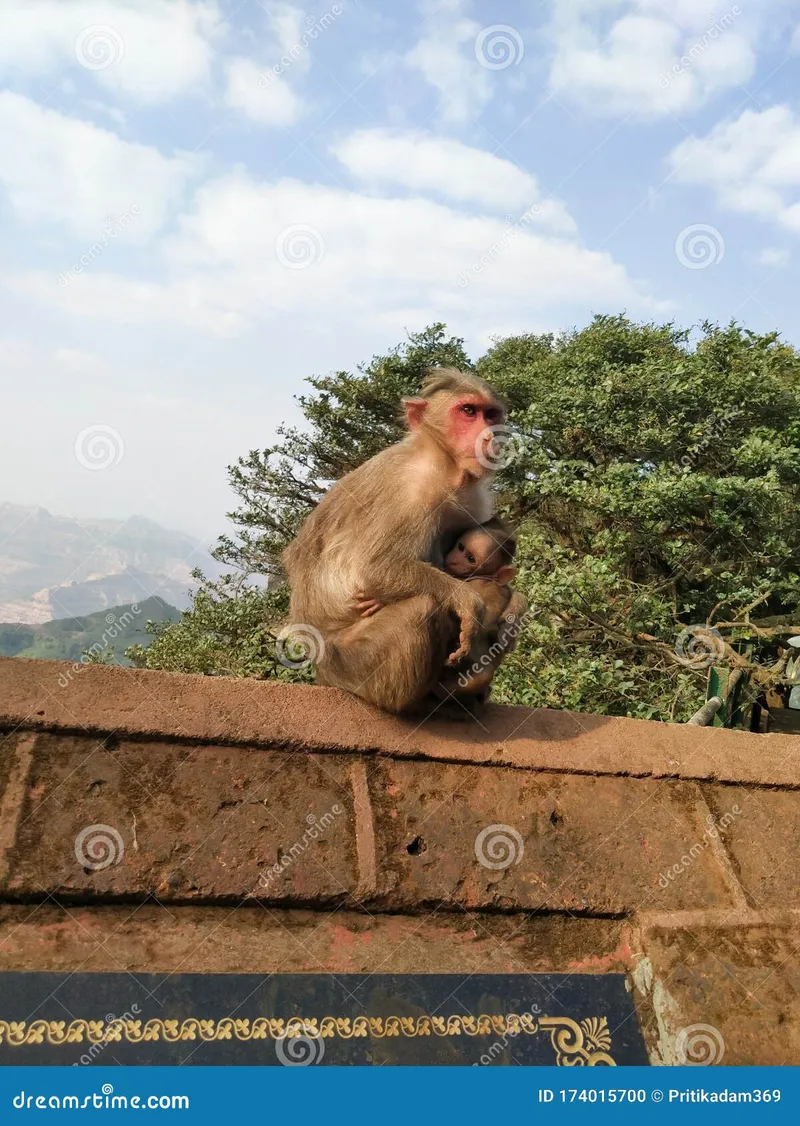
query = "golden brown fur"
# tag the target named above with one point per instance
(381, 529)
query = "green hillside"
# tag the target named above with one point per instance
(107, 633)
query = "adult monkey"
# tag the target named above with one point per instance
(380, 530)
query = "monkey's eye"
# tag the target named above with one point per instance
(469, 410)
(470, 557)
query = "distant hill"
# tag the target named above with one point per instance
(67, 638)
(54, 567)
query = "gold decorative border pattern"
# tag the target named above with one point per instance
(587, 1043)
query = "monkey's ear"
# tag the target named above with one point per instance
(504, 575)
(415, 409)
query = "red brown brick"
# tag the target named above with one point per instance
(252, 939)
(589, 844)
(193, 822)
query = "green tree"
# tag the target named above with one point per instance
(654, 476)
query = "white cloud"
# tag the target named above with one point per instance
(70, 172)
(261, 95)
(425, 163)
(752, 164)
(230, 265)
(445, 57)
(154, 49)
(649, 57)
(772, 256)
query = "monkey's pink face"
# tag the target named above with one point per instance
(470, 420)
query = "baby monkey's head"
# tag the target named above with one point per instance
(486, 551)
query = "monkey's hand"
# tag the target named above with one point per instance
(368, 606)
(468, 606)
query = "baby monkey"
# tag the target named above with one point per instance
(481, 555)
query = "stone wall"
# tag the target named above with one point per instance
(156, 822)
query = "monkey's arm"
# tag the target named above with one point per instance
(397, 581)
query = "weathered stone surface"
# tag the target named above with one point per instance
(721, 991)
(183, 822)
(762, 828)
(221, 710)
(587, 844)
(8, 746)
(252, 939)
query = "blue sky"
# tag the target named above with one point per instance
(204, 202)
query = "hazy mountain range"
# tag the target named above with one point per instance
(107, 634)
(59, 566)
